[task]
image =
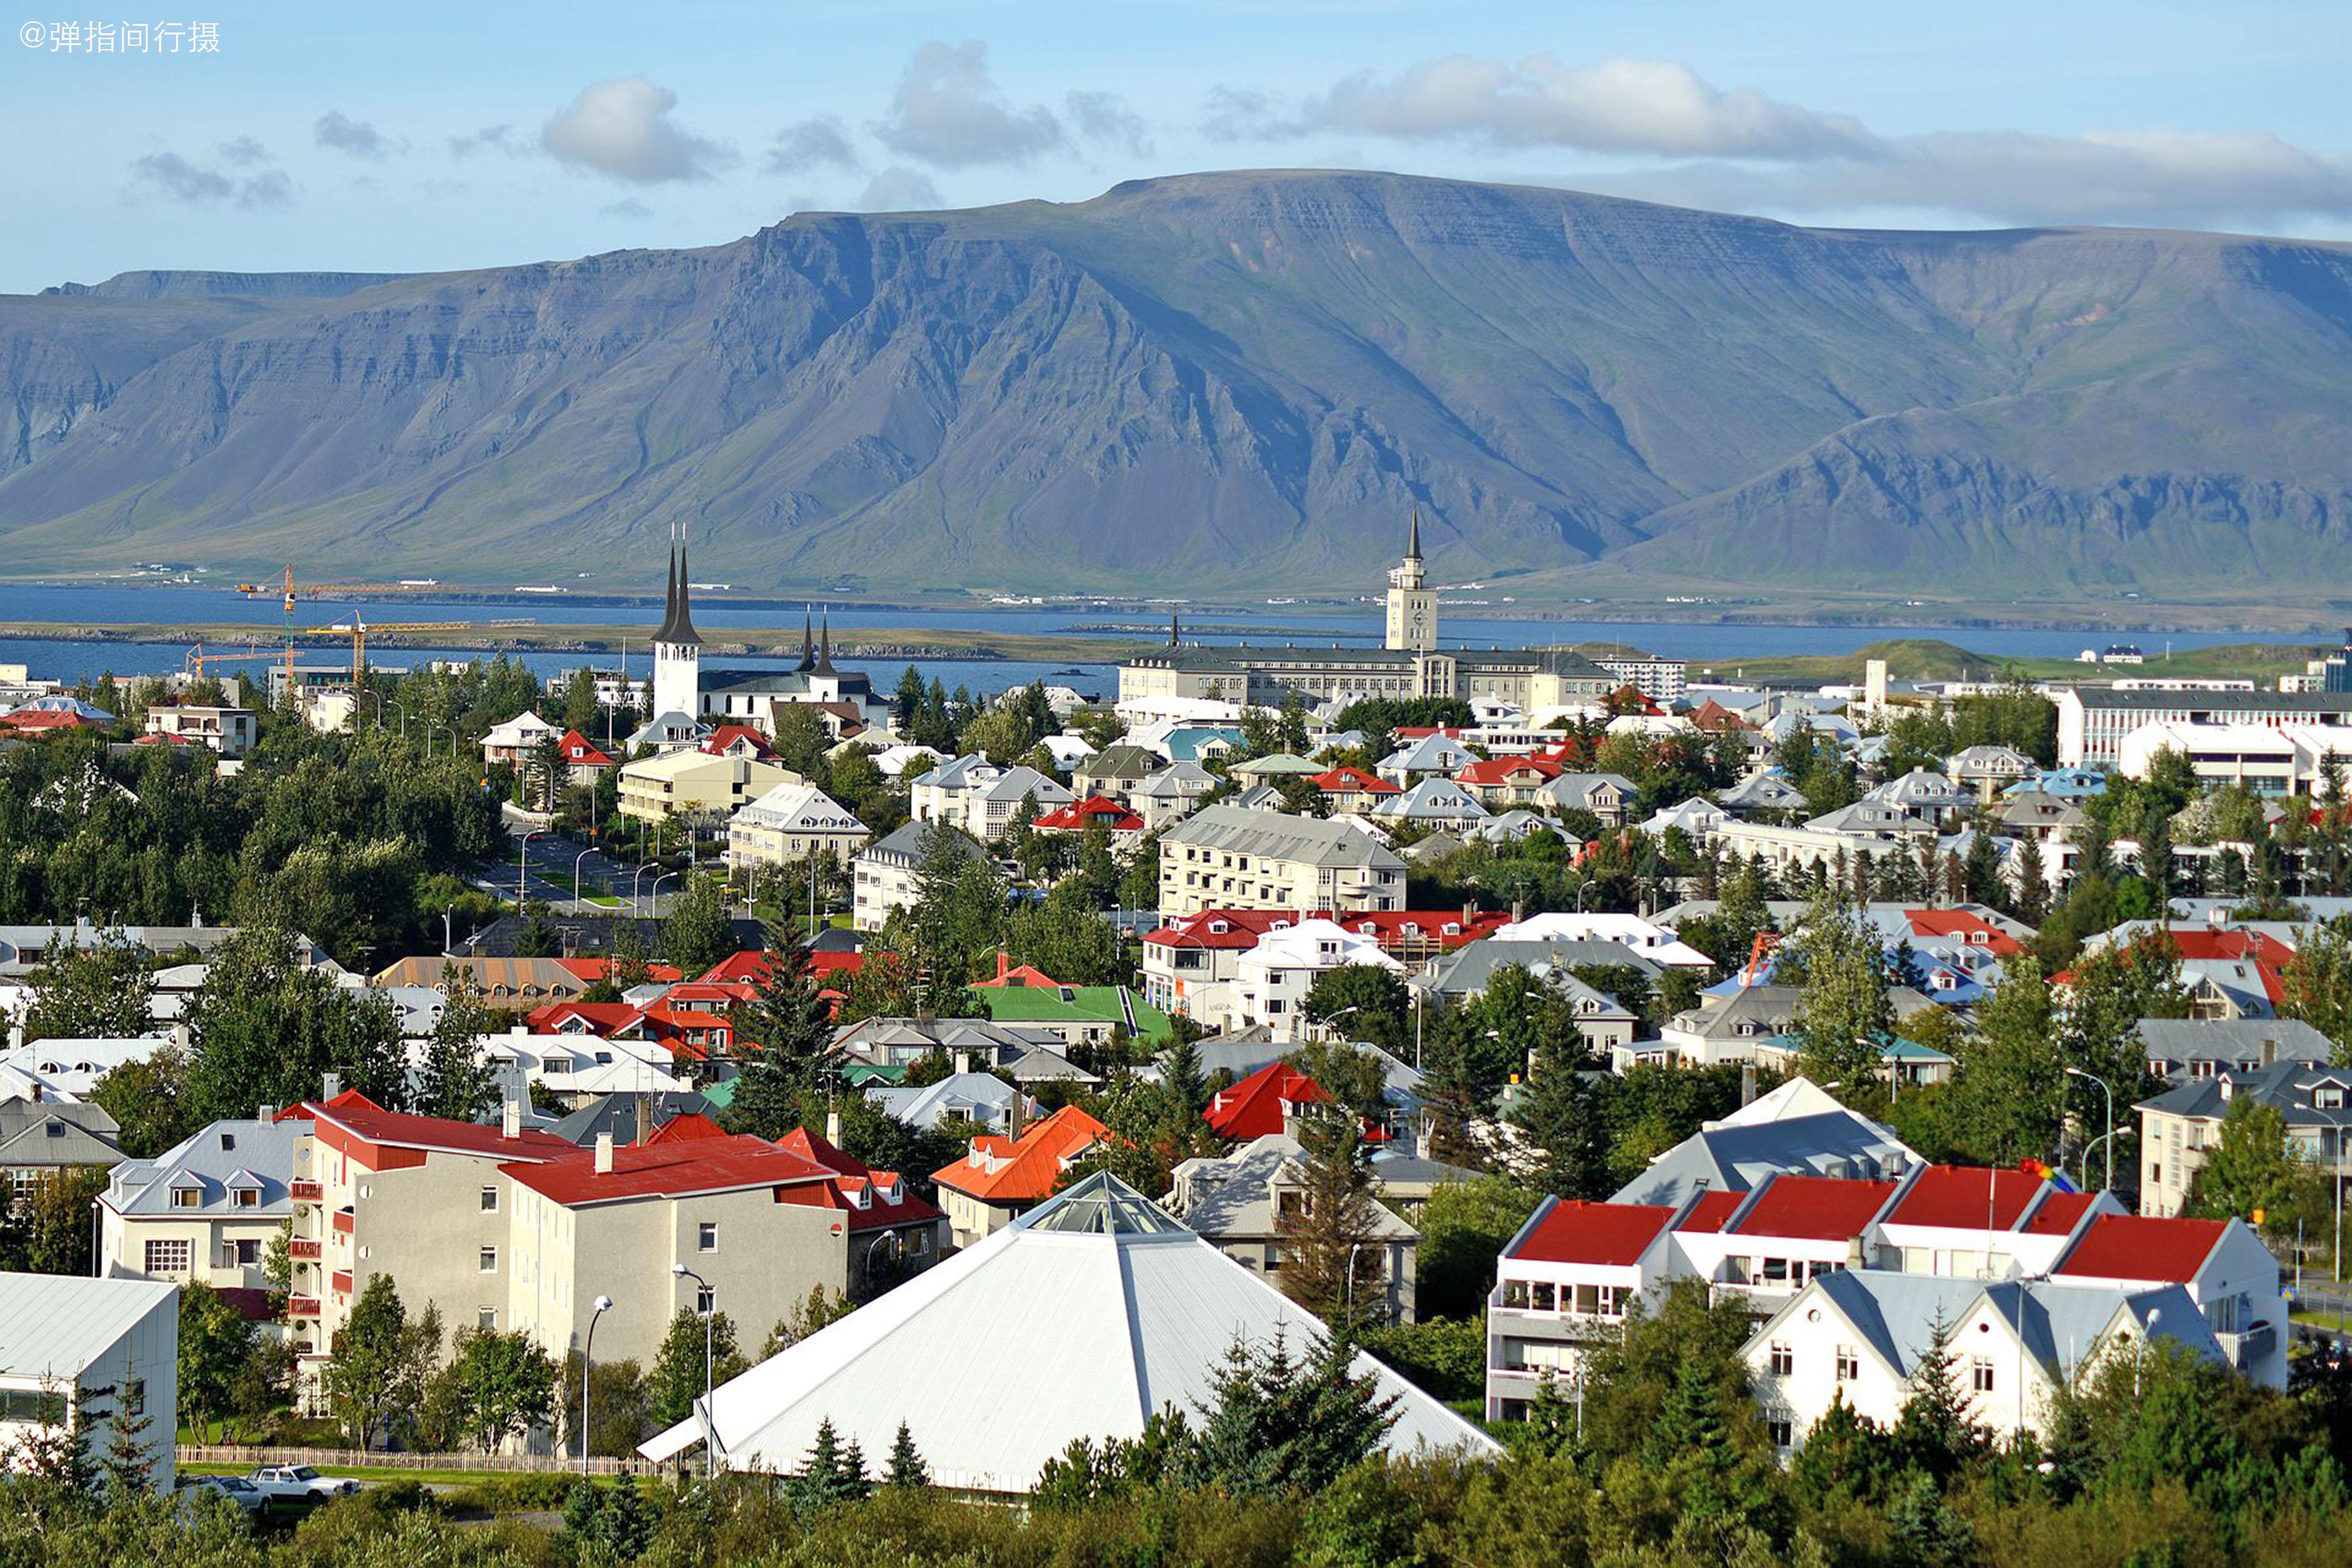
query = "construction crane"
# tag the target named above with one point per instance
(293, 590)
(198, 659)
(358, 632)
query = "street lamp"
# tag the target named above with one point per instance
(1353, 1247)
(652, 894)
(523, 872)
(576, 859)
(2109, 1139)
(709, 1416)
(636, 888)
(604, 1304)
(870, 1246)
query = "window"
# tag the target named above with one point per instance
(1849, 1363)
(1781, 1427)
(134, 1397)
(187, 1198)
(1781, 1361)
(489, 1260)
(705, 1301)
(490, 1200)
(485, 1317)
(705, 1237)
(167, 1257)
(241, 1254)
(245, 1197)
(1981, 1373)
(228, 1140)
(32, 1406)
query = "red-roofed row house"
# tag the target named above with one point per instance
(1187, 962)
(499, 1226)
(1572, 1271)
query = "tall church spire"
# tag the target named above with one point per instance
(677, 617)
(808, 641)
(824, 645)
(1413, 541)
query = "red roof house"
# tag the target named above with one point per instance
(1263, 1102)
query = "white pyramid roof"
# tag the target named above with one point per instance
(1080, 1320)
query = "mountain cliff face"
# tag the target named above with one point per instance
(1224, 380)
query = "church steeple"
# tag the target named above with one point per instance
(808, 643)
(1412, 541)
(824, 645)
(678, 616)
(1175, 628)
(678, 656)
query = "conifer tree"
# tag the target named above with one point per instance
(1937, 1432)
(1560, 1116)
(907, 1472)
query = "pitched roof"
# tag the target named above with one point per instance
(1021, 1170)
(2135, 1247)
(1605, 1235)
(58, 1324)
(581, 752)
(1279, 836)
(677, 1167)
(2058, 1214)
(356, 1115)
(1352, 781)
(1813, 1208)
(1117, 1309)
(1254, 1107)
(1965, 1198)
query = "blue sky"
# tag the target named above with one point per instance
(449, 136)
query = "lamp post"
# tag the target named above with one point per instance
(709, 1416)
(448, 925)
(576, 859)
(604, 1304)
(2110, 1139)
(636, 888)
(870, 1246)
(522, 871)
(1353, 1247)
(652, 894)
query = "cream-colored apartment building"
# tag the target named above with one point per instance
(1224, 857)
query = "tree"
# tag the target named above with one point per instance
(1937, 1432)
(505, 1384)
(2256, 1167)
(265, 1029)
(1465, 1225)
(1367, 1001)
(454, 1080)
(1559, 1114)
(2032, 898)
(103, 991)
(1843, 1017)
(906, 1471)
(147, 1097)
(1325, 1236)
(46, 1229)
(214, 1344)
(781, 1034)
(1279, 1425)
(373, 1370)
(2319, 983)
(2008, 1097)
(697, 932)
(675, 1382)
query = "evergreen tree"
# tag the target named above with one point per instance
(1179, 1075)
(907, 1472)
(1928, 1533)
(624, 1525)
(454, 1080)
(907, 703)
(1283, 1424)
(782, 1036)
(2032, 904)
(1560, 1114)
(1937, 1432)
(1326, 1236)
(856, 1485)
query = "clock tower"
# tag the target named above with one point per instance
(1413, 604)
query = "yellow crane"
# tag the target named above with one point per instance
(293, 590)
(358, 630)
(198, 660)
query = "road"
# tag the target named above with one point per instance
(553, 857)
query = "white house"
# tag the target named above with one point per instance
(1272, 979)
(84, 1351)
(1653, 942)
(204, 1211)
(792, 822)
(512, 742)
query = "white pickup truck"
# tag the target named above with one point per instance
(300, 1483)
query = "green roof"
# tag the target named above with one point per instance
(1077, 1004)
(721, 1094)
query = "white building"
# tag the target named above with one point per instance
(1653, 942)
(1271, 980)
(976, 796)
(1224, 856)
(2269, 759)
(677, 649)
(231, 731)
(793, 822)
(1142, 1313)
(80, 1352)
(513, 741)
(883, 874)
(204, 1211)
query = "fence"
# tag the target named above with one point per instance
(344, 1459)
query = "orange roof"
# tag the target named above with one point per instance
(1351, 781)
(1608, 1235)
(357, 1116)
(1023, 1170)
(675, 1168)
(601, 1017)
(593, 970)
(684, 1129)
(1960, 923)
(581, 752)
(1813, 1208)
(728, 735)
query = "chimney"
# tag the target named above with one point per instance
(963, 1063)
(1017, 1117)
(1003, 963)
(1518, 911)
(603, 1153)
(330, 1085)
(1747, 1083)
(2270, 1050)
(268, 1113)
(832, 1126)
(510, 1118)
(1854, 1260)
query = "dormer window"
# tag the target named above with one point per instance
(2327, 1097)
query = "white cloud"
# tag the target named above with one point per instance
(817, 143)
(1617, 106)
(170, 174)
(1748, 152)
(623, 130)
(900, 190)
(341, 133)
(948, 112)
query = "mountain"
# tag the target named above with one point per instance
(1227, 381)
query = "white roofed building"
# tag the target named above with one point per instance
(792, 822)
(990, 1387)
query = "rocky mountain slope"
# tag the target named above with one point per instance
(1237, 379)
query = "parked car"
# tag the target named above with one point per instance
(300, 1483)
(236, 1489)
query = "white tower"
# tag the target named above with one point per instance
(678, 651)
(1412, 604)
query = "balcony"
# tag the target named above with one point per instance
(2245, 1350)
(344, 1221)
(306, 1191)
(301, 1306)
(305, 1250)
(341, 1279)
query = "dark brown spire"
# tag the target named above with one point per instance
(808, 642)
(1413, 541)
(678, 619)
(824, 645)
